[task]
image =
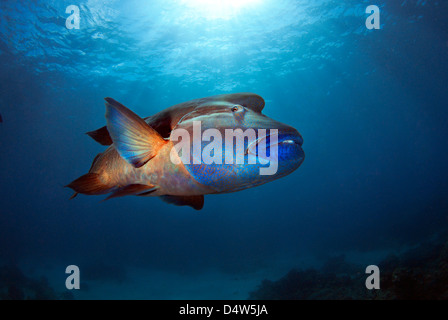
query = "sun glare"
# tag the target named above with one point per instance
(219, 9)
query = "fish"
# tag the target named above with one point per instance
(212, 145)
(1, 119)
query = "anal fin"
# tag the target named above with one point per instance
(196, 202)
(130, 190)
(147, 193)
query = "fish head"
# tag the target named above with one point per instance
(227, 144)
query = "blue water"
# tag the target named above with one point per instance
(371, 106)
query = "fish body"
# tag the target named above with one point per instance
(184, 152)
(170, 179)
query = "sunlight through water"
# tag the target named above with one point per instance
(220, 9)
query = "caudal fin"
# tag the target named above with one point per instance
(89, 184)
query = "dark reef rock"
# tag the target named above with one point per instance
(14, 285)
(419, 274)
(312, 284)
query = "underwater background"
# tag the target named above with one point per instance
(371, 106)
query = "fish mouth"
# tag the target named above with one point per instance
(282, 139)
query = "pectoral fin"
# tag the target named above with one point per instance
(134, 139)
(196, 202)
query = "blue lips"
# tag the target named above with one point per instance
(290, 148)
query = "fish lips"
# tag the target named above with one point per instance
(288, 145)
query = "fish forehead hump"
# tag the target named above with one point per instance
(167, 120)
(249, 100)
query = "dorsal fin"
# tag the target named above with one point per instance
(196, 202)
(101, 136)
(134, 139)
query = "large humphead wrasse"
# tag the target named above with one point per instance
(212, 145)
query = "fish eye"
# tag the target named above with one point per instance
(236, 108)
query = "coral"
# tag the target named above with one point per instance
(309, 284)
(419, 274)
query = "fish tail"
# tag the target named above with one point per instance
(74, 196)
(89, 184)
